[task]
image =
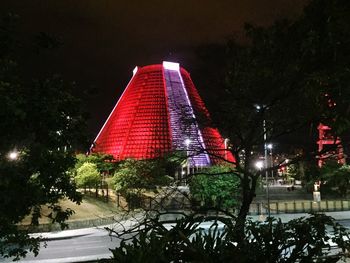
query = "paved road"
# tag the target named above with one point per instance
(344, 222)
(83, 244)
(91, 244)
(77, 245)
(76, 249)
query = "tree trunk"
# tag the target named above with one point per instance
(248, 193)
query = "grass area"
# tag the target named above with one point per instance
(90, 208)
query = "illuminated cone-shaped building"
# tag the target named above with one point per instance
(160, 111)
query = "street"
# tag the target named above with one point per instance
(78, 245)
(76, 249)
(91, 244)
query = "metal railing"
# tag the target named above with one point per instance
(299, 206)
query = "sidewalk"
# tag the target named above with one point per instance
(118, 225)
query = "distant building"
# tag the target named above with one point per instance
(160, 111)
(329, 146)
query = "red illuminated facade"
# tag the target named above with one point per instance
(326, 139)
(158, 113)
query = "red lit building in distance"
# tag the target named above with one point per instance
(327, 139)
(160, 111)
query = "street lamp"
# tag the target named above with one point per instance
(259, 164)
(270, 147)
(258, 108)
(13, 155)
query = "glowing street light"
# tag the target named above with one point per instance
(13, 155)
(259, 164)
(270, 147)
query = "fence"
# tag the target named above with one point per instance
(149, 203)
(299, 207)
(257, 208)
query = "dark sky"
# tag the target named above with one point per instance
(103, 40)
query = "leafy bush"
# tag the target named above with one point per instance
(299, 240)
(105, 163)
(87, 175)
(139, 175)
(335, 178)
(217, 188)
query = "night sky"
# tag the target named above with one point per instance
(103, 40)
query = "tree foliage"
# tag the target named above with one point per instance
(105, 163)
(282, 83)
(191, 239)
(335, 178)
(87, 175)
(139, 175)
(216, 188)
(134, 177)
(42, 121)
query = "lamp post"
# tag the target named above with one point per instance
(270, 147)
(266, 172)
(259, 108)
